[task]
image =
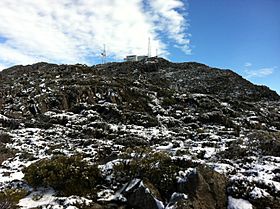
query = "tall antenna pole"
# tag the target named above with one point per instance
(104, 55)
(149, 47)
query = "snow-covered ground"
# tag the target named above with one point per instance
(97, 116)
(44, 143)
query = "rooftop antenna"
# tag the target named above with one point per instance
(103, 55)
(149, 47)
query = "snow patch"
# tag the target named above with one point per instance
(234, 203)
(46, 197)
(257, 193)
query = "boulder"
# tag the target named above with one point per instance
(141, 195)
(206, 189)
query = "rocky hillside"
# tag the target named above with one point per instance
(144, 135)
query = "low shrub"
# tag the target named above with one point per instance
(139, 119)
(131, 141)
(67, 175)
(11, 123)
(235, 151)
(267, 142)
(27, 156)
(5, 153)
(169, 101)
(5, 138)
(144, 163)
(9, 198)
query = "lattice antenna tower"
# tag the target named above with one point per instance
(104, 54)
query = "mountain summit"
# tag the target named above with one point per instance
(148, 134)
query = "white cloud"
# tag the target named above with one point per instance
(2, 67)
(248, 64)
(71, 31)
(169, 17)
(259, 73)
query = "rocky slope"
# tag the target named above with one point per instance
(151, 134)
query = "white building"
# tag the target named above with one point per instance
(133, 58)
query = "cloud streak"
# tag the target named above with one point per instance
(247, 64)
(258, 73)
(71, 31)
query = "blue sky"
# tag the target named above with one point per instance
(242, 35)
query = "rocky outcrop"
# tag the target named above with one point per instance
(201, 188)
(206, 189)
(141, 195)
(63, 86)
(193, 77)
(160, 122)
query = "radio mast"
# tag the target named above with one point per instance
(103, 55)
(149, 47)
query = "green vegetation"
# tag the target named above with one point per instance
(67, 175)
(157, 167)
(169, 101)
(235, 151)
(5, 153)
(9, 198)
(267, 142)
(5, 138)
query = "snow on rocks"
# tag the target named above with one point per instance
(183, 175)
(93, 112)
(234, 203)
(257, 193)
(2, 117)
